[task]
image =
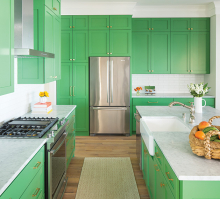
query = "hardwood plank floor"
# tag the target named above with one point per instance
(103, 146)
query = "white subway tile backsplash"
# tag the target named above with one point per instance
(166, 83)
(20, 101)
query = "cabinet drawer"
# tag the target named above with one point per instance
(159, 156)
(25, 177)
(36, 187)
(152, 101)
(171, 178)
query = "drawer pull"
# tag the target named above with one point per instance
(55, 8)
(145, 152)
(162, 185)
(157, 155)
(167, 173)
(37, 165)
(36, 192)
(152, 102)
(156, 168)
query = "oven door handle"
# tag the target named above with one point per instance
(63, 140)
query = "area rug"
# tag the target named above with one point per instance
(107, 178)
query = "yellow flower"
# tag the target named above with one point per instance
(46, 94)
(41, 94)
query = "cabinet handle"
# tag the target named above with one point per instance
(55, 8)
(107, 53)
(162, 185)
(37, 165)
(107, 26)
(149, 71)
(145, 152)
(149, 28)
(110, 26)
(73, 90)
(70, 59)
(70, 26)
(191, 28)
(157, 155)
(152, 29)
(152, 71)
(110, 53)
(73, 59)
(191, 71)
(167, 173)
(36, 192)
(188, 28)
(156, 168)
(152, 102)
(55, 77)
(73, 26)
(70, 93)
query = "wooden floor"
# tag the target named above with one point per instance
(103, 146)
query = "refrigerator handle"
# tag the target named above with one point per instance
(107, 80)
(112, 82)
(110, 109)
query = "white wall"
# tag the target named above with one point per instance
(20, 101)
(166, 83)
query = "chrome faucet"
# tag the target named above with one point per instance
(191, 107)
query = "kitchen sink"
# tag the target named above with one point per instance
(149, 125)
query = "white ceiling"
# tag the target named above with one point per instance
(152, 2)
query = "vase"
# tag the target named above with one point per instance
(138, 93)
(43, 100)
(198, 104)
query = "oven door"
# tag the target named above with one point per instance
(57, 168)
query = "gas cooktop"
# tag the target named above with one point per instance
(27, 127)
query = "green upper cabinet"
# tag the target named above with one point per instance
(54, 5)
(180, 52)
(67, 46)
(141, 24)
(66, 22)
(120, 43)
(99, 43)
(6, 47)
(154, 24)
(120, 22)
(140, 52)
(190, 24)
(160, 52)
(160, 24)
(99, 22)
(80, 22)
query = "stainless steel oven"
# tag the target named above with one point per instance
(56, 163)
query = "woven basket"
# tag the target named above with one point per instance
(207, 148)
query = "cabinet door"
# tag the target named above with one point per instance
(160, 52)
(141, 24)
(146, 165)
(57, 7)
(49, 44)
(120, 22)
(180, 24)
(200, 53)
(80, 46)
(120, 43)
(160, 185)
(57, 48)
(66, 22)
(6, 47)
(140, 52)
(65, 85)
(180, 52)
(160, 24)
(200, 24)
(152, 178)
(99, 43)
(81, 97)
(49, 4)
(80, 22)
(100, 22)
(67, 46)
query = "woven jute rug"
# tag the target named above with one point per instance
(107, 178)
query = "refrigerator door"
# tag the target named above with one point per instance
(119, 81)
(99, 81)
(109, 120)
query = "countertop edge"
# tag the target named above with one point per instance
(71, 111)
(21, 168)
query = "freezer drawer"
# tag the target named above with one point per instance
(109, 120)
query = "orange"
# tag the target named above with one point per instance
(203, 125)
(200, 135)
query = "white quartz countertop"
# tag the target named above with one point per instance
(16, 153)
(176, 148)
(168, 95)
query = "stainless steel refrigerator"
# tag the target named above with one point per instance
(109, 95)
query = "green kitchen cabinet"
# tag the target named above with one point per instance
(30, 179)
(187, 101)
(190, 24)
(99, 22)
(151, 24)
(54, 5)
(6, 47)
(120, 22)
(190, 52)
(152, 180)
(66, 46)
(75, 22)
(73, 89)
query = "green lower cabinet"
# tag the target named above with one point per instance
(6, 47)
(152, 180)
(160, 185)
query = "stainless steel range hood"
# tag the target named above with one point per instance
(24, 31)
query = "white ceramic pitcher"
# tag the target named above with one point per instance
(198, 104)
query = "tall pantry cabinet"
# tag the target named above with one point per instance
(73, 88)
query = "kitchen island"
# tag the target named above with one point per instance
(16, 154)
(174, 167)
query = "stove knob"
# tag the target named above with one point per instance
(52, 133)
(49, 135)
